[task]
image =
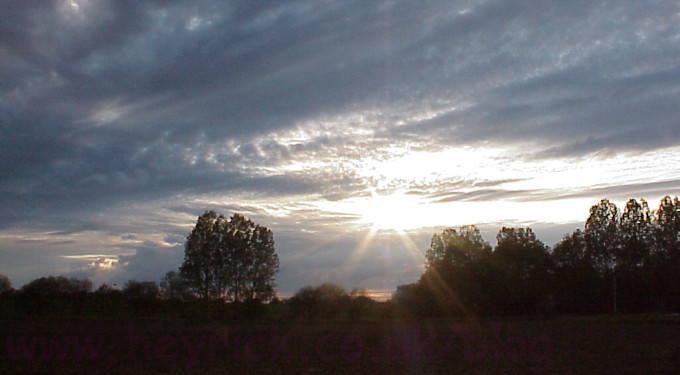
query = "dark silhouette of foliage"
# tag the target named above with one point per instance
(628, 260)
(54, 295)
(456, 248)
(571, 253)
(415, 300)
(635, 237)
(665, 259)
(105, 289)
(173, 286)
(5, 284)
(231, 260)
(464, 276)
(622, 261)
(576, 282)
(456, 262)
(142, 296)
(667, 227)
(330, 302)
(140, 290)
(525, 270)
(323, 301)
(602, 235)
(57, 285)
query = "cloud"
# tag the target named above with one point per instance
(111, 111)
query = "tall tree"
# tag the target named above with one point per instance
(666, 258)
(575, 280)
(521, 252)
(251, 258)
(601, 234)
(525, 267)
(667, 233)
(635, 236)
(201, 249)
(230, 259)
(451, 277)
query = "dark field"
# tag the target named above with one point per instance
(629, 344)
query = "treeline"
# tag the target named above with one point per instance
(59, 296)
(227, 273)
(622, 261)
(62, 297)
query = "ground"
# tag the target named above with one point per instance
(622, 344)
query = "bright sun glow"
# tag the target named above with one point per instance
(390, 212)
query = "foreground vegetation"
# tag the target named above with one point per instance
(560, 345)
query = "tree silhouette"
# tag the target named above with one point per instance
(666, 256)
(5, 284)
(455, 248)
(635, 236)
(230, 259)
(140, 290)
(324, 301)
(201, 268)
(667, 229)
(455, 265)
(570, 252)
(602, 237)
(576, 280)
(525, 268)
(251, 261)
(173, 286)
(53, 285)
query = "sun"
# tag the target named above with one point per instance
(393, 212)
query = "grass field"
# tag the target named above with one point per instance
(627, 344)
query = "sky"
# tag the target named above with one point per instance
(354, 130)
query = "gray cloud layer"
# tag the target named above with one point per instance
(106, 104)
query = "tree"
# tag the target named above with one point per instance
(520, 252)
(452, 277)
(667, 229)
(105, 289)
(635, 236)
(666, 257)
(570, 252)
(140, 290)
(142, 296)
(173, 286)
(601, 234)
(633, 272)
(53, 285)
(575, 279)
(524, 267)
(252, 261)
(325, 300)
(230, 259)
(57, 295)
(5, 284)
(455, 248)
(200, 268)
